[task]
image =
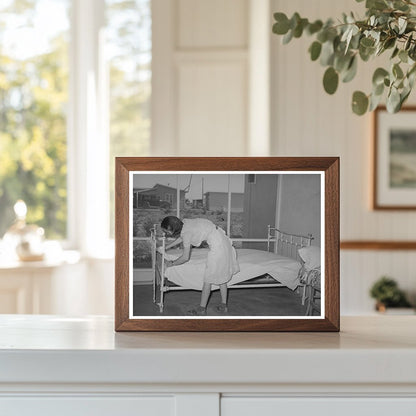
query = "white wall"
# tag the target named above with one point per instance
(200, 77)
(86, 288)
(308, 122)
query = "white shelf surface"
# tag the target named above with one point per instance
(372, 350)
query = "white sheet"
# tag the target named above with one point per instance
(252, 263)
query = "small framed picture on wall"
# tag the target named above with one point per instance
(394, 179)
(227, 244)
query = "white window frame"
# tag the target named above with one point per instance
(88, 138)
(88, 133)
(88, 121)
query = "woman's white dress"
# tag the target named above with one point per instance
(222, 259)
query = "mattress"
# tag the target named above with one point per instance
(253, 263)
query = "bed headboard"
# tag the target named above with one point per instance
(287, 244)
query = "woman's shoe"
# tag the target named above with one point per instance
(198, 311)
(222, 308)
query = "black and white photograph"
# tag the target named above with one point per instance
(226, 244)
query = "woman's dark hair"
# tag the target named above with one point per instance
(173, 224)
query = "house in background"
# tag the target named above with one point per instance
(160, 196)
(219, 201)
(198, 203)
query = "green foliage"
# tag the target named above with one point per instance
(34, 104)
(315, 50)
(389, 26)
(33, 99)
(282, 25)
(359, 103)
(330, 81)
(386, 291)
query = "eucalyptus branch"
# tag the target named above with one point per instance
(388, 26)
(405, 38)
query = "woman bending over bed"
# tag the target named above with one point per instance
(221, 261)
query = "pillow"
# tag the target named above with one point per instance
(311, 256)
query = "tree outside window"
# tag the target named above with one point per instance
(35, 43)
(33, 101)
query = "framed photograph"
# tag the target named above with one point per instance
(395, 159)
(227, 244)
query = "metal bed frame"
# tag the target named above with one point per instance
(283, 243)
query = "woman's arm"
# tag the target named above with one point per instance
(186, 255)
(174, 243)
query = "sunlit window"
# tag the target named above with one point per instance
(33, 102)
(43, 155)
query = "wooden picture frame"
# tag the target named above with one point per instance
(394, 158)
(287, 172)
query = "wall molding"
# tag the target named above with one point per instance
(377, 245)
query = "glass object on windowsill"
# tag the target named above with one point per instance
(23, 240)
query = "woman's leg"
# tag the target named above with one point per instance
(206, 291)
(202, 309)
(222, 307)
(223, 290)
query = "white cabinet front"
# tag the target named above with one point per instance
(87, 406)
(273, 406)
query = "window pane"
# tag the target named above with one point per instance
(129, 46)
(142, 254)
(149, 201)
(33, 100)
(154, 197)
(237, 205)
(206, 197)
